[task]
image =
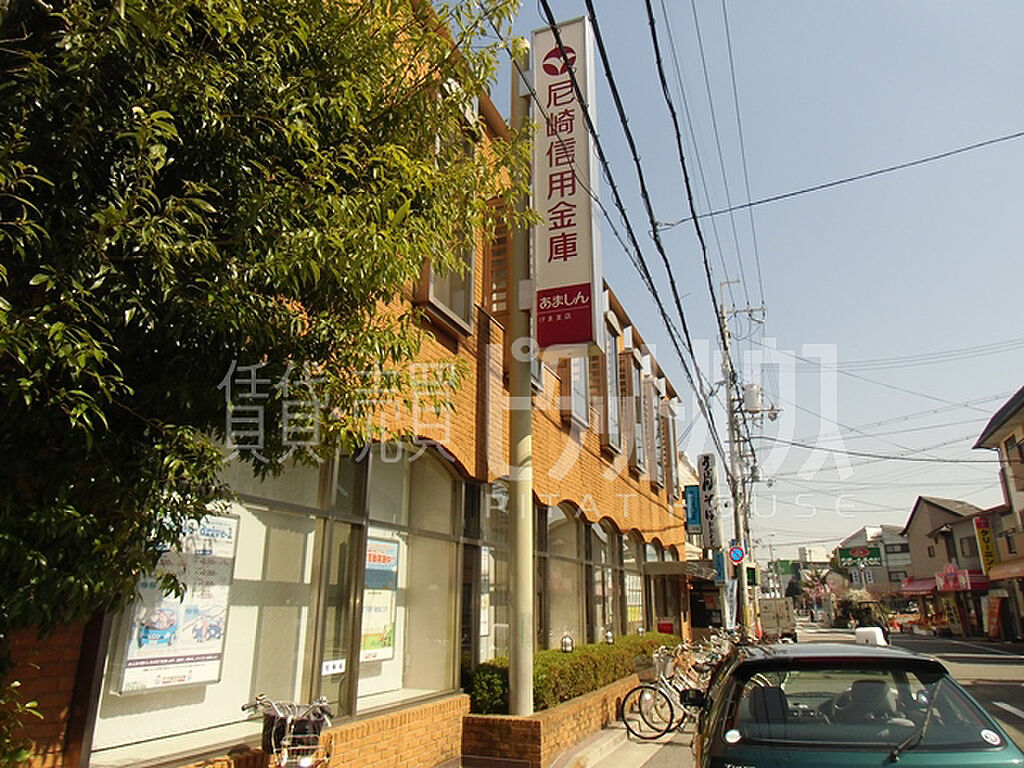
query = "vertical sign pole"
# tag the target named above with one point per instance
(520, 666)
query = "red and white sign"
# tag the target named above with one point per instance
(567, 263)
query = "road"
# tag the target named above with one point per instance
(993, 672)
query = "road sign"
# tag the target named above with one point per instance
(736, 555)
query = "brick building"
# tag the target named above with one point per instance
(380, 580)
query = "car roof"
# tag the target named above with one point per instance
(843, 653)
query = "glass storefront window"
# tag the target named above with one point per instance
(407, 643)
(563, 532)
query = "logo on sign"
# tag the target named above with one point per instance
(554, 63)
(859, 551)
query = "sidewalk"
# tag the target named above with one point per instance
(613, 747)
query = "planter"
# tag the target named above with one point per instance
(536, 741)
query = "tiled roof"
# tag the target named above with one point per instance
(1003, 415)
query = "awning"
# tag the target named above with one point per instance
(917, 586)
(1011, 569)
(698, 569)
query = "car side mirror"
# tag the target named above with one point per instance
(693, 697)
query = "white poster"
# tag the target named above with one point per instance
(175, 642)
(379, 593)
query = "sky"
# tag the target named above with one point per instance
(893, 305)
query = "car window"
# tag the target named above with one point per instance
(878, 706)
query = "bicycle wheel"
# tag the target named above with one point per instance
(647, 712)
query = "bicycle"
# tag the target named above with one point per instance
(291, 731)
(649, 710)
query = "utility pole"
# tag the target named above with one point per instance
(737, 484)
(738, 481)
(520, 663)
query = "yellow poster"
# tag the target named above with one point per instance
(986, 543)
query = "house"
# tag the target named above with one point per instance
(947, 567)
(883, 577)
(1004, 434)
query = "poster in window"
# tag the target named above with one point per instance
(485, 591)
(379, 593)
(170, 641)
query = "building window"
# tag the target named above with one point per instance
(603, 549)
(613, 421)
(579, 369)
(639, 434)
(1011, 544)
(449, 295)
(1014, 457)
(671, 451)
(894, 549)
(564, 577)
(657, 424)
(310, 546)
(485, 609)
(896, 576)
(634, 583)
(969, 546)
(931, 550)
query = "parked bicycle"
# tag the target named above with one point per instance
(654, 708)
(291, 732)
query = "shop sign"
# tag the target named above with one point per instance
(986, 543)
(718, 561)
(567, 263)
(379, 600)
(691, 493)
(854, 557)
(170, 641)
(712, 521)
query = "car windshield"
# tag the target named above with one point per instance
(854, 707)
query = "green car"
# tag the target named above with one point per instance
(833, 705)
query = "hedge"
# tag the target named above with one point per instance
(559, 676)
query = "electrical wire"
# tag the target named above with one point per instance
(743, 151)
(849, 179)
(879, 456)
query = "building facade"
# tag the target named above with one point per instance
(885, 579)
(380, 580)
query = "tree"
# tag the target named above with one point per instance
(191, 184)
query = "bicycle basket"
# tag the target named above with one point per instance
(299, 734)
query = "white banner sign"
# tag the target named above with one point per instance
(567, 263)
(710, 516)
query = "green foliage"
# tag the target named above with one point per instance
(13, 712)
(559, 676)
(188, 183)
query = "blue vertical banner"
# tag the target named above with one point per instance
(718, 561)
(692, 496)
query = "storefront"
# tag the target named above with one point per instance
(1006, 581)
(375, 583)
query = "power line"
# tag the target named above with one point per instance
(930, 358)
(879, 456)
(718, 143)
(848, 179)
(743, 150)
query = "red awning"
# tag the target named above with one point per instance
(979, 581)
(917, 586)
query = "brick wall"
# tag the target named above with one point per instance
(416, 737)
(538, 740)
(47, 671)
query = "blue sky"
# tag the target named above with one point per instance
(921, 261)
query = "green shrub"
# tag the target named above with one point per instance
(558, 676)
